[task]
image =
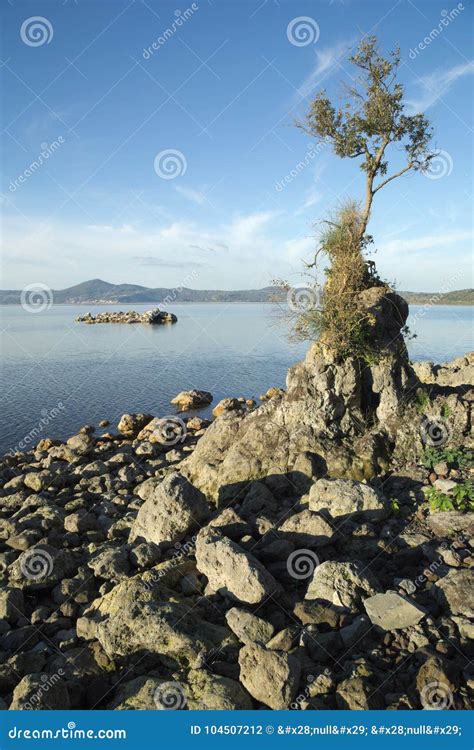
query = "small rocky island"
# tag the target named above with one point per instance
(150, 317)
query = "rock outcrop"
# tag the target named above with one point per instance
(150, 317)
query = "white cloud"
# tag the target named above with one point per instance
(435, 85)
(427, 242)
(326, 59)
(196, 196)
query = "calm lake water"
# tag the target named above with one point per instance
(67, 374)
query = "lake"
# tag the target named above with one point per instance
(58, 375)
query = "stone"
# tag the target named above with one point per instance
(110, 563)
(230, 524)
(81, 443)
(248, 627)
(452, 522)
(343, 584)
(143, 615)
(150, 317)
(80, 521)
(131, 424)
(172, 509)
(445, 485)
(139, 695)
(194, 399)
(455, 592)
(40, 691)
(307, 529)
(353, 694)
(212, 692)
(231, 570)
(314, 613)
(436, 684)
(391, 611)
(227, 404)
(341, 498)
(11, 604)
(271, 677)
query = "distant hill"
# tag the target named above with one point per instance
(96, 292)
(458, 297)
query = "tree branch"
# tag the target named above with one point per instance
(393, 177)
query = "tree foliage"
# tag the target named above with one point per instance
(372, 117)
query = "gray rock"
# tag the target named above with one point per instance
(455, 592)
(212, 692)
(110, 563)
(307, 529)
(131, 424)
(247, 627)
(391, 611)
(142, 615)
(187, 400)
(342, 584)
(11, 604)
(341, 498)
(40, 691)
(449, 523)
(231, 570)
(172, 510)
(271, 677)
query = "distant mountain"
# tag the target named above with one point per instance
(96, 292)
(458, 297)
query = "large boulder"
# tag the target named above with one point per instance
(344, 585)
(40, 691)
(231, 570)
(391, 611)
(194, 399)
(307, 529)
(248, 627)
(271, 677)
(342, 497)
(139, 616)
(455, 592)
(172, 509)
(131, 424)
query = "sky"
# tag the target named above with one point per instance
(165, 152)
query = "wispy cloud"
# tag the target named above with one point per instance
(192, 194)
(426, 242)
(326, 58)
(435, 85)
(151, 260)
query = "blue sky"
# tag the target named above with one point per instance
(222, 87)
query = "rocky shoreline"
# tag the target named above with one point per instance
(281, 556)
(150, 317)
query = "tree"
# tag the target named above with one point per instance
(372, 117)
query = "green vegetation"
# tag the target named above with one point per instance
(371, 119)
(459, 457)
(461, 498)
